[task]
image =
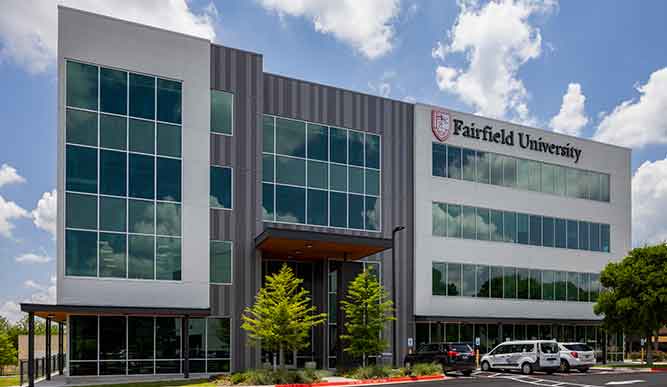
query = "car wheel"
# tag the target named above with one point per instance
(526, 369)
(486, 366)
(564, 366)
(467, 372)
(583, 370)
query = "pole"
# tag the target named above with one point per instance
(31, 349)
(186, 346)
(47, 352)
(394, 284)
(61, 358)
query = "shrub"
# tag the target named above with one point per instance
(426, 369)
(398, 372)
(369, 372)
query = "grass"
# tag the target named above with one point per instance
(162, 383)
(10, 381)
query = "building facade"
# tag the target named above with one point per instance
(186, 174)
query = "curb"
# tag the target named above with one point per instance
(401, 379)
(658, 369)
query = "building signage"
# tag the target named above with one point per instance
(443, 125)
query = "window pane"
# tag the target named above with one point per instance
(113, 91)
(356, 144)
(113, 173)
(454, 279)
(318, 137)
(141, 176)
(548, 178)
(338, 209)
(536, 230)
(595, 237)
(439, 219)
(221, 262)
(81, 169)
(142, 96)
(453, 162)
(111, 328)
(222, 105)
(483, 168)
(372, 151)
(497, 276)
(496, 225)
(468, 221)
(113, 132)
(584, 285)
(81, 211)
(469, 276)
(290, 204)
(372, 182)
(548, 232)
(196, 338)
(112, 255)
(356, 211)
(113, 367)
(509, 288)
(168, 338)
(168, 179)
(318, 207)
(496, 162)
(604, 238)
(168, 219)
(140, 337)
(454, 219)
(267, 202)
(483, 281)
(142, 136)
(268, 134)
(483, 224)
(561, 234)
(81, 127)
(604, 187)
(82, 368)
(583, 236)
(217, 338)
(168, 140)
(548, 292)
(112, 214)
(168, 259)
(594, 185)
(560, 180)
(338, 145)
(439, 152)
(595, 286)
(267, 167)
(529, 175)
(560, 279)
(356, 176)
(318, 174)
(523, 276)
(141, 217)
(141, 257)
(522, 228)
(439, 279)
(509, 227)
(168, 101)
(83, 338)
(290, 170)
(576, 186)
(469, 164)
(572, 233)
(290, 137)
(509, 171)
(81, 253)
(373, 212)
(81, 85)
(572, 289)
(535, 285)
(221, 187)
(338, 177)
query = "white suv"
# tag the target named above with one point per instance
(579, 356)
(527, 356)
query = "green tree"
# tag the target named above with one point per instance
(8, 353)
(367, 308)
(634, 299)
(282, 317)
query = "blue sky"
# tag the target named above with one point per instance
(593, 69)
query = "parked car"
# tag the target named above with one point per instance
(579, 356)
(452, 356)
(526, 356)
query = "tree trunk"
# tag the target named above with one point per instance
(275, 366)
(282, 357)
(363, 359)
(649, 349)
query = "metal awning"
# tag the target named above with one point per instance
(59, 312)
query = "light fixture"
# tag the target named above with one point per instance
(309, 246)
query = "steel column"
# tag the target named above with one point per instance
(31, 349)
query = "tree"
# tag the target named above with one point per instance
(367, 308)
(8, 353)
(282, 317)
(634, 299)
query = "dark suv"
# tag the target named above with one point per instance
(453, 356)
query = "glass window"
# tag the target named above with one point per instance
(483, 168)
(529, 175)
(338, 177)
(267, 167)
(142, 136)
(522, 228)
(318, 207)
(583, 236)
(523, 276)
(496, 163)
(497, 286)
(290, 204)
(439, 279)
(584, 285)
(113, 132)
(168, 101)
(560, 280)
(468, 220)
(496, 225)
(113, 173)
(81, 127)
(81, 85)
(454, 218)
(222, 107)
(268, 134)
(112, 249)
(548, 290)
(80, 253)
(112, 214)
(572, 288)
(548, 232)
(140, 337)
(141, 216)
(111, 328)
(142, 96)
(595, 237)
(373, 213)
(113, 91)
(483, 284)
(318, 174)
(594, 286)
(509, 171)
(83, 338)
(356, 144)
(548, 178)
(594, 186)
(439, 218)
(604, 238)
(267, 202)
(81, 169)
(536, 230)
(561, 233)
(318, 137)
(290, 137)
(168, 140)
(535, 285)
(372, 182)
(572, 233)
(356, 211)
(453, 162)
(372, 151)
(454, 279)
(468, 164)
(338, 145)
(168, 217)
(439, 160)
(218, 342)
(141, 257)
(509, 227)
(560, 180)
(168, 179)
(469, 277)
(338, 204)
(509, 288)
(221, 187)
(221, 262)
(356, 177)
(483, 224)
(604, 187)
(168, 338)
(168, 259)
(142, 182)
(81, 211)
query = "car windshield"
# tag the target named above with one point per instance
(460, 347)
(428, 348)
(577, 347)
(549, 347)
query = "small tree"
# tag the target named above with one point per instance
(7, 352)
(367, 308)
(635, 296)
(282, 317)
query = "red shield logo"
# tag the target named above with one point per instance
(440, 124)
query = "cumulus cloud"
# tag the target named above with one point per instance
(44, 215)
(11, 311)
(367, 26)
(9, 211)
(383, 86)
(495, 40)
(28, 28)
(33, 258)
(649, 203)
(636, 123)
(43, 294)
(572, 117)
(9, 175)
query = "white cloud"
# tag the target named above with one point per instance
(383, 86)
(28, 28)
(44, 215)
(495, 40)
(366, 25)
(33, 258)
(649, 203)
(8, 175)
(44, 294)
(9, 211)
(11, 311)
(635, 123)
(572, 117)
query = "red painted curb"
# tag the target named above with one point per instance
(658, 369)
(367, 381)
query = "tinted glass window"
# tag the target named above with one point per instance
(356, 144)
(509, 227)
(141, 180)
(290, 204)
(81, 85)
(483, 222)
(509, 171)
(453, 162)
(290, 170)
(142, 136)
(522, 228)
(548, 290)
(510, 278)
(572, 288)
(496, 164)
(113, 91)
(168, 179)
(373, 211)
(439, 219)
(572, 234)
(356, 211)
(168, 259)
(141, 257)
(338, 204)
(604, 237)
(318, 174)
(318, 137)
(221, 187)
(469, 276)
(454, 279)
(81, 211)
(81, 169)
(142, 96)
(318, 207)
(168, 140)
(113, 132)
(83, 337)
(112, 214)
(482, 172)
(483, 281)
(141, 216)
(267, 168)
(604, 187)
(80, 253)
(222, 106)
(290, 137)
(267, 134)
(112, 249)
(560, 278)
(140, 337)
(267, 202)
(372, 182)
(454, 221)
(535, 285)
(356, 180)
(536, 230)
(439, 160)
(338, 177)
(523, 276)
(168, 101)
(469, 164)
(560, 233)
(217, 338)
(372, 151)
(338, 145)
(113, 173)
(439, 279)
(583, 236)
(221, 262)
(468, 221)
(168, 217)
(111, 328)
(548, 232)
(595, 237)
(497, 282)
(81, 127)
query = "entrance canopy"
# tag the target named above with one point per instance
(59, 313)
(314, 245)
